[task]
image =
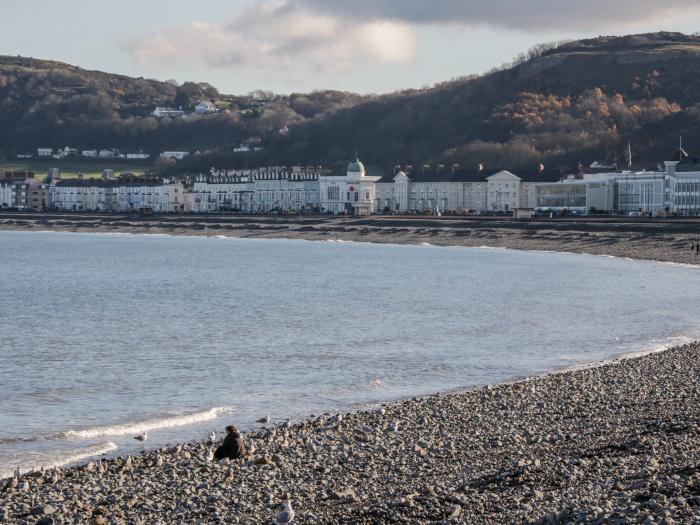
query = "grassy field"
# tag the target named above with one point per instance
(71, 169)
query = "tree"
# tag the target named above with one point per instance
(182, 99)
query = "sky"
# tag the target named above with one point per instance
(365, 46)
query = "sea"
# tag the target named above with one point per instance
(106, 336)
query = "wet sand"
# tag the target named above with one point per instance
(658, 240)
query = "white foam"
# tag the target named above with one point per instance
(71, 457)
(144, 426)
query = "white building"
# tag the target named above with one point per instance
(205, 107)
(108, 153)
(126, 194)
(90, 153)
(177, 155)
(161, 112)
(354, 193)
(479, 190)
(44, 152)
(138, 156)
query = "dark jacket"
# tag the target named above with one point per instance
(233, 447)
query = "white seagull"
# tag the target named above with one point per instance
(141, 437)
(265, 419)
(286, 516)
(210, 455)
(212, 438)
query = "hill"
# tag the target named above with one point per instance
(557, 104)
(52, 104)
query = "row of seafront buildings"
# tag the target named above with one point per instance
(675, 189)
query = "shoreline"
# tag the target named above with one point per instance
(612, 443)
(654, 241)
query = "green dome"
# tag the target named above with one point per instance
(356, 166)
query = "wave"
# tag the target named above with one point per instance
(144, 426)
(72, 456)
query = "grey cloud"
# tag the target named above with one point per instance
(526, 15)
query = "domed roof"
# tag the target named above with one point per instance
(356, 166)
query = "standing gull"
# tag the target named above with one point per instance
(265, 419)
(286, 516)
(141, 437)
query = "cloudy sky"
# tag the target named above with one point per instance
(302, 45)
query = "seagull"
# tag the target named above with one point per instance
(394, 427)
(338, 417)
(286, 516)
(210, 455)
(18, 472)
(141, 437)
(212, 437)
(287, 423)
(265, 419)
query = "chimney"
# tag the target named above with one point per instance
(440, 168)
(426, 167)
(455, 167)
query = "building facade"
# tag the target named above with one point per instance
(23, 193)
(354, 193)
(675, 190)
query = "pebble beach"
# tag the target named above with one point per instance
(615, 443)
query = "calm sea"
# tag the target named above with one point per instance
(105, 336)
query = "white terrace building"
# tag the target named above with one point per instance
(127, 194)
(477, 190)
(259, 190)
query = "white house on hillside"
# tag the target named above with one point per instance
(161, 112)
(205, 107)
(177, 155)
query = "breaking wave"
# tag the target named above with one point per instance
(68, 458)
(144, 426)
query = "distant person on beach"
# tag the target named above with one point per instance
(233, 446)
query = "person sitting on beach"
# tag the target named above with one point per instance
(233, 446)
